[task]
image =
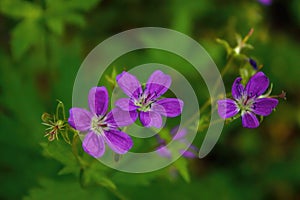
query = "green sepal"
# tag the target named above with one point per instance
(182, 166)
(60, 111)
(226, 45)
(269, 91)
(112, 78)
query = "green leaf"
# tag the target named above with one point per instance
(65, 189)
(145, 179)
(76, 19)
(82, 5)
(20, 9)
(95, 175)
(105, 182)
(57, 16)
(62, 152)
(25, 35)
(182, 166)
(56, 25)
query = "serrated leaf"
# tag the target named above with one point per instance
(95, 175)
(182, 166)
(62, 152)
(25, 35)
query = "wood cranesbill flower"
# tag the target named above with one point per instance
(178, 135)
(100, 127)
(248, 100)
(147, 101)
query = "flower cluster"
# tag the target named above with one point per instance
(102, 127)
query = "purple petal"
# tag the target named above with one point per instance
(249, 120)
(237, 88)
(187, 154)
(119, 118)
(257, 84)
(94, 145)
(129, 84)
(98, 100)
(126, 104)
(80, 119)
(170, 107)
(179, 134)
(163, 151)
(264, 106)
(227, 108)
(118, 141)
(151, 119)
(157, 84)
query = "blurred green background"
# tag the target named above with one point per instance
(43, 43)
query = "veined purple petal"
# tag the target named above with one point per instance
(126, 104)
(227, 108)
(163, 151)
(119, 118)
(237, 88)
(264, 106)
(151, 119)
(249, 120)
(157, 84)
(257, 85)
(129, 84)
(80, 119)
(98, 100)
(170, 107)
(94, 145)
(118, 141)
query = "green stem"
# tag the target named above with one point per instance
(210, 101)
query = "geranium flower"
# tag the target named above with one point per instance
(178, 136)
(101, 128)
(146, 101)
(249, 101)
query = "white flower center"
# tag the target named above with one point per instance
(144, 102)
(98, 125)
(245, 103)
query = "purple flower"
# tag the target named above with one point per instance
(249, 100)
(265, 2)
(178, 136)
(101, 128)
(146, 101)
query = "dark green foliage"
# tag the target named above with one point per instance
(43, 43)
